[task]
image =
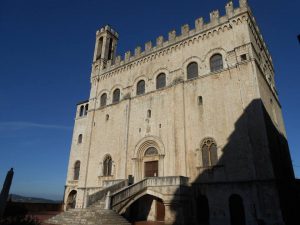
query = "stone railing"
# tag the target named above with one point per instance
(102, 193)
(126, 193)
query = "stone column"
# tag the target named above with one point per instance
(170, 214)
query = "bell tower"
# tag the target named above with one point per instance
(106, 44)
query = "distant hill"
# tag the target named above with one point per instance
(19, 198)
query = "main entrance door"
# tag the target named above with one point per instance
(151, 169)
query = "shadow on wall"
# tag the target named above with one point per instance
(252, 182)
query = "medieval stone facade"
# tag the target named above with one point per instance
(201, 106)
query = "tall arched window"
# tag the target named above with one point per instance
(160, 81)
(86, 109)
(192, 70)
(107, 166)
(110, 50)
(103, 99)
(99, 49)
(76, 170)
(116, 95)
(209, 152)
(202, 210)
(140, 87)
(81, 111)
(216, 62)
(237, 211)
(79, 139)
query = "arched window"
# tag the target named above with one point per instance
(103, 99)
(76, 170)
(107, 166)
(202, 210)
(237, 211)
(79, 139)
(140, 87)
(216, 62)
(110, 49)
(192, 70)
(209, 152)
(151, 151)
(86, 108)
(81, 111)
(99, 49)
(116, 95)
(160, 81)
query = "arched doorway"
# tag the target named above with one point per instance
(237, 211)
(202, 210)
(148, 158)
(146, 208)
(151, 162)
(71, 201)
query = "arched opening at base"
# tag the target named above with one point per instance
(237, 211)
(146, 208)
(71, 201)
(202, 210)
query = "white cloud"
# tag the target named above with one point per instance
(21, 125)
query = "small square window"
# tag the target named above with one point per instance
(243, 57)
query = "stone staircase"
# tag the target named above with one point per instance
(93, 215)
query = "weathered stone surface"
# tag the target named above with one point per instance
(236, 106)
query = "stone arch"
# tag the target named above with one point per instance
(71, 199)
(135, 81)
(189, 60)
(104, 91)
(158, 72)
(114, 88)
(145, 143)
(138, 196)
(140, 159)
(212, 52)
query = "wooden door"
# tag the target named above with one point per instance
(160, 211)
(151, 169)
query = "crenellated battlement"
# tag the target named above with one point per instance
(109, 29)
(186, 32)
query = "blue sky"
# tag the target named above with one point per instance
(46, 49)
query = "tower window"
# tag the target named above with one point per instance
(116, 95)
(99, 49)
(81, 111)
(103, 99)
(110, 50)
(107, 166)
(160, 81)
(79, 139)
(76, 170)
(86, 109)
(192, 70)
(216, 62)
(140, 87)
(209, 152)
